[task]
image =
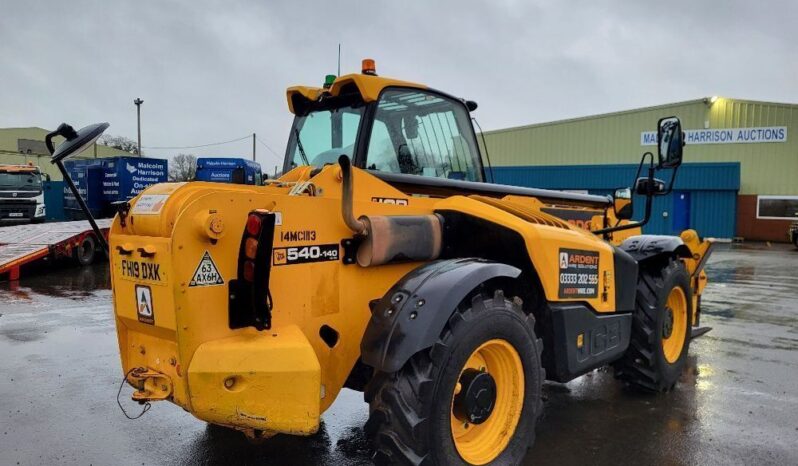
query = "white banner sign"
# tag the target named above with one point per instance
(724, 135)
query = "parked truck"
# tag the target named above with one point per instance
(21, 194)
(227, 170)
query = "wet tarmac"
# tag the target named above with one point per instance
(737, 402)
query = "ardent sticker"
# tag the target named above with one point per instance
(578, 273)
(144, 308)
(150, 204)
(206, 274)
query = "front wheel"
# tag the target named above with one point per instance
(473, 398)
(660, 329)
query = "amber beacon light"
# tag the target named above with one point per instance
(369, 67)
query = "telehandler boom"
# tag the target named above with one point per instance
(382, 261)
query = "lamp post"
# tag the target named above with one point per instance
(138, 103)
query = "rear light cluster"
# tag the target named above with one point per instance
(250, 300)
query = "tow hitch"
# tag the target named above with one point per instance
(150, 385)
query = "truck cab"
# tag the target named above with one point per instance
(228, 170)
(21, 194)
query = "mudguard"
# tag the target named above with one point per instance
(412, 314)
(644, 247)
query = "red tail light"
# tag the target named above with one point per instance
(253, 225)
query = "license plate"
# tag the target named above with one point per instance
(15, 214)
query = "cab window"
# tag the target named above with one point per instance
(420, 133)
(321, 136)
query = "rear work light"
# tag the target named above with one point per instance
(250, 302)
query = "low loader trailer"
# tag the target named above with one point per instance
(24, 245)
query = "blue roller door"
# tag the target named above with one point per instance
(709, 191)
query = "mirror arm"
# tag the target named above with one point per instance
(649, 199)
(673, 181)
(68, 132)
(48, 141)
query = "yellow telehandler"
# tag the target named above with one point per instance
(382, 261)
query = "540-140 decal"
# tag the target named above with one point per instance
(305, 254)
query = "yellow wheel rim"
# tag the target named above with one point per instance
(482, 443)
(674, 328)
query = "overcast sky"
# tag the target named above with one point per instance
(215, 71)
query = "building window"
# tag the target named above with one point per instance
(777, 207)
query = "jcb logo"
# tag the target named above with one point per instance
(597, 340)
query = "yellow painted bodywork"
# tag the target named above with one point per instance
(190, 341)
(282, 379)
(698, 277)
(174, 332)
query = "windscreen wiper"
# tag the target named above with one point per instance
(301, 149)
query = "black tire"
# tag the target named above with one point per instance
(86, 251)
(644, 364)
(410, 410)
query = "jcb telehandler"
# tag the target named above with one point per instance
(383, 261)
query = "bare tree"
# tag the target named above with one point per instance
(119, 142)
(183, 167)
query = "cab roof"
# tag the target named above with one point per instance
(367, 85)
(19, 168)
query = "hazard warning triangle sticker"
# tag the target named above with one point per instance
(207, 274)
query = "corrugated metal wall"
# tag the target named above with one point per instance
(712, 186)
(765, 168)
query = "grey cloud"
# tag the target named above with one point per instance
(212, 71)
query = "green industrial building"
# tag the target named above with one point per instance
(23, 145)
(738, 179)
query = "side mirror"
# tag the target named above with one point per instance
(410, 124)
(656, 188)
(622, 203)
(76, 141)
(670, 141)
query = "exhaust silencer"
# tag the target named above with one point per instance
(400, 238)
(390, 238)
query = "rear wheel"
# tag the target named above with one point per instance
(86, 251)
(660, 329)
(473, 398)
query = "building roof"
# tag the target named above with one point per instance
(10, 137)
(703, 101)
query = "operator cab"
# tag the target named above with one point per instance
(403, 129)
